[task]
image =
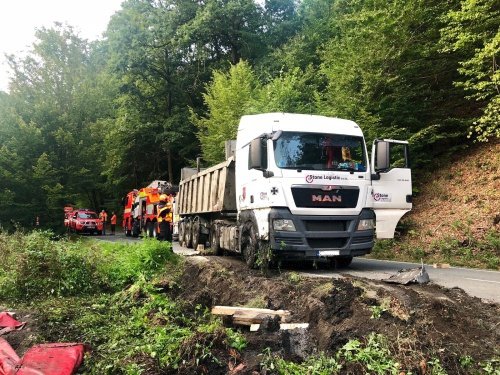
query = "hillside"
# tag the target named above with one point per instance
(456, 212)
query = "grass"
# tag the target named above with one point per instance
(104, 294)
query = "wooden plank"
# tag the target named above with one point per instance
(231, 310)
(288, 326)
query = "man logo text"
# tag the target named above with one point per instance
(326, 198)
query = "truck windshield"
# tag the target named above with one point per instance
(315, 151)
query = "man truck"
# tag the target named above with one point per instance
(299, 186)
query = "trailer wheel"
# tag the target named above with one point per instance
(195, 233)
(182, 233)
(215, 240)
(250, 244)
(188, 236)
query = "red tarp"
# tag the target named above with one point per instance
(8, 321)
(44, 359)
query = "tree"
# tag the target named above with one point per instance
(53, 101)
(385, 71)
(473, 30)
(229, 96)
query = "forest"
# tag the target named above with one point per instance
(83, 122)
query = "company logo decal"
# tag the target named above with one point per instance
(326, 198)
(310, 178)
(382, 197)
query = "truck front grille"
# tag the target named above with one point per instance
(326, 243)
(325, 225)
(345, 197)
(289, 240)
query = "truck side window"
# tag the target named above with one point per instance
(398, 155)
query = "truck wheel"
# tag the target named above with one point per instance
(182, 232)
(250, 245)
(152, 229)
(188, 236)
(195, 228)
(215, 240)
(135, 229)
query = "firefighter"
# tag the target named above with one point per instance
(164, 218)
(113, 223)
(104, 218)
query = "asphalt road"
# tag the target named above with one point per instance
(483, 284)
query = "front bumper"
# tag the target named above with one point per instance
(321, 236)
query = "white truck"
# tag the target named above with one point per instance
(300, 186)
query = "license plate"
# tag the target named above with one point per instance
(90, 226)
(328, 253)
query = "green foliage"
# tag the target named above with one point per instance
(236, 340)
(37, 264)
(315, 365)
(228, 97)
(473, 31)
(375, 355)
(436, 367)
(137, 328)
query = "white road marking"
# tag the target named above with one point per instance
(486, 281)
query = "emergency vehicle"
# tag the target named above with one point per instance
(140, 208)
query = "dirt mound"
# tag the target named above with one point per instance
(422, 322)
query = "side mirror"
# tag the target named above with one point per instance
(382, 155)
(257, 155)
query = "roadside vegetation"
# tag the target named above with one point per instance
(455, 217)
(127, 303)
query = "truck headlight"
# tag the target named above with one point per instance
(284, 225)
(365, 224)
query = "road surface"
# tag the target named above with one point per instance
(483, 284)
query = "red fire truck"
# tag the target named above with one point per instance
(140, 208)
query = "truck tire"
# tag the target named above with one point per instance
(250, 244)
(135, 229)
(152, 229)
(195, 233)
(182, 233)
(188, 235)
(215, 240)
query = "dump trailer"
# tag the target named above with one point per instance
(299, 186)
(207, 206)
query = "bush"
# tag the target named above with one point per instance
(39, 264)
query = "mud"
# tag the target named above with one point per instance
(422, 322)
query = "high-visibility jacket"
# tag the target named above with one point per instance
(165, 213)
(113, 219)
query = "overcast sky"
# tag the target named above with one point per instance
(20, 18)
